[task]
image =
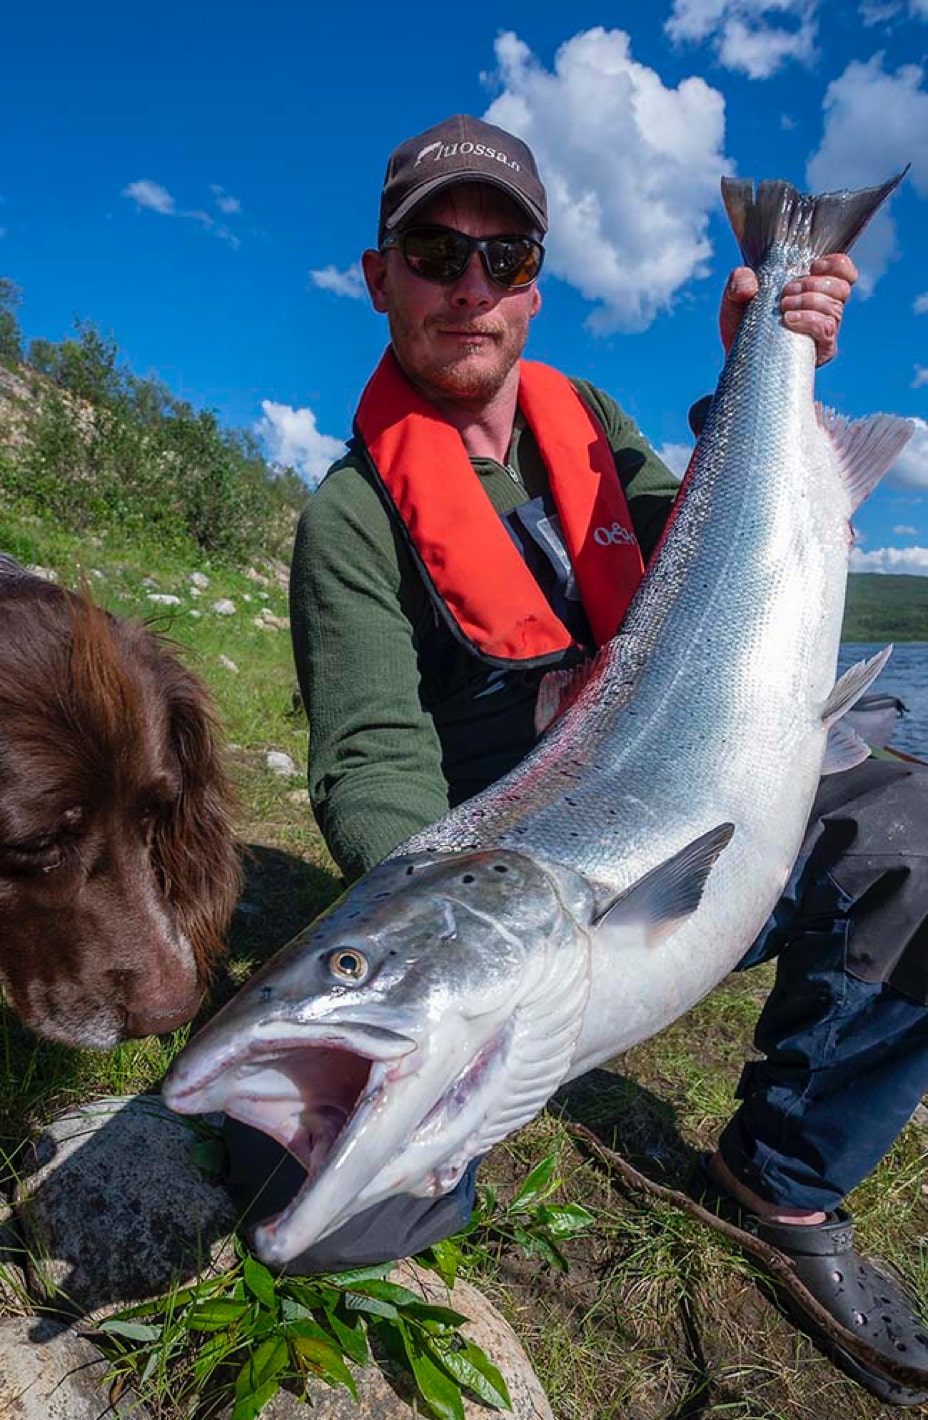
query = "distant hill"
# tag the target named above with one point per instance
(886, 608)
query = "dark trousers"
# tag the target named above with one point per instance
(846, 1053)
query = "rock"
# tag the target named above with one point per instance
(198, 580)
(224, 607)
(14, 1296)
(195, 592)
(298, 796)
(113, 1207)
(229, 665)
(246, 597)
(164, 598)
(48, 574)
(280, 763)
(95, 572)
(49, 1372)
(254, 575)
(920, 1117)
(149, 581)
(266, 617)
(193, 612)
(379, 1400)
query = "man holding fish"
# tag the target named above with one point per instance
(421, 650)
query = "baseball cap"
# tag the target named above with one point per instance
(460, 149)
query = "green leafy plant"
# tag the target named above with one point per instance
(249, 1332)
(531, 1221)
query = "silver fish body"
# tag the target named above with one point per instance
(620, 871)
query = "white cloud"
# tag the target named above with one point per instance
(755, 37)
(631, 167)
(676, 457)
(341, 283)
(877, 12)
(293, 440)
(913, 560)
(905, 530)
(156, 198)
(921, 305)
(152, 195)
(875, 123)
(911, 467)
(921, 377)
(224, 200)
(918, 9)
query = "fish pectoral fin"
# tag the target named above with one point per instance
(865, 448)
(852, 685)
(844, 749)
(660, 901)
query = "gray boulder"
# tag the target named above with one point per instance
(113, 1207)
(48, 1372)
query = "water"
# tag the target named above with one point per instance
(906, 676)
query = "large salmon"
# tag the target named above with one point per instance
(621, 870)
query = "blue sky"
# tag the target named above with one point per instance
(200, 183)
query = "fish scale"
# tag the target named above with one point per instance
(624, 866)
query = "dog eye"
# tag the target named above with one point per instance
(41, 855)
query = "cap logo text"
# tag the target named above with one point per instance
(437, 151)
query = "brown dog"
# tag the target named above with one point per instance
(118, 866)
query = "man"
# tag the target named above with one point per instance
(420, 691)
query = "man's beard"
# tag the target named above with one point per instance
(468, 381)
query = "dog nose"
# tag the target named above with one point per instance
(153, 1021)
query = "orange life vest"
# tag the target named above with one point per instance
(470, 563)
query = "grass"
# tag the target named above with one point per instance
(656, 1319)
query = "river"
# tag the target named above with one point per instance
(906, 676)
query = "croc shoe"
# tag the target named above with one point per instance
(862, 1299)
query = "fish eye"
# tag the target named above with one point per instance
(348, 964)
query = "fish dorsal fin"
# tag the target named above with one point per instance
(865, 448)
(851, 686)
(778, 214)
(659, 902)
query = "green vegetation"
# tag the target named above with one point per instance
(886, 608)
(265, 1331)
(90, 446)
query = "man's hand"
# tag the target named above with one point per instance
(812, 305)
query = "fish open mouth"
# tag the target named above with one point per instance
(302, 1097)
(308, 1092)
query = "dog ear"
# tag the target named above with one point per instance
(195, 850)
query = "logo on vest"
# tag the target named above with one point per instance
(613, 536)
(437, 151)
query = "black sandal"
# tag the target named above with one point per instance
(862, 1300)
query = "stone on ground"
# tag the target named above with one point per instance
(113, 1206)
(48, 1372)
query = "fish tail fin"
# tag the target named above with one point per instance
(866, 448)
(778, 214)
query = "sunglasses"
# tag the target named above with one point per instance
(443, 253)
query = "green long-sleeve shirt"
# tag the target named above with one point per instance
(404, 720)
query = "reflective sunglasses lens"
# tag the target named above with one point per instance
(437, 255)
(513, 261)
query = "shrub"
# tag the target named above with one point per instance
(103, 447)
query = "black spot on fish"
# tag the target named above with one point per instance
(266, 993)
(468, 878)
(500, 868)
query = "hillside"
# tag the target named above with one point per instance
(886, 608)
